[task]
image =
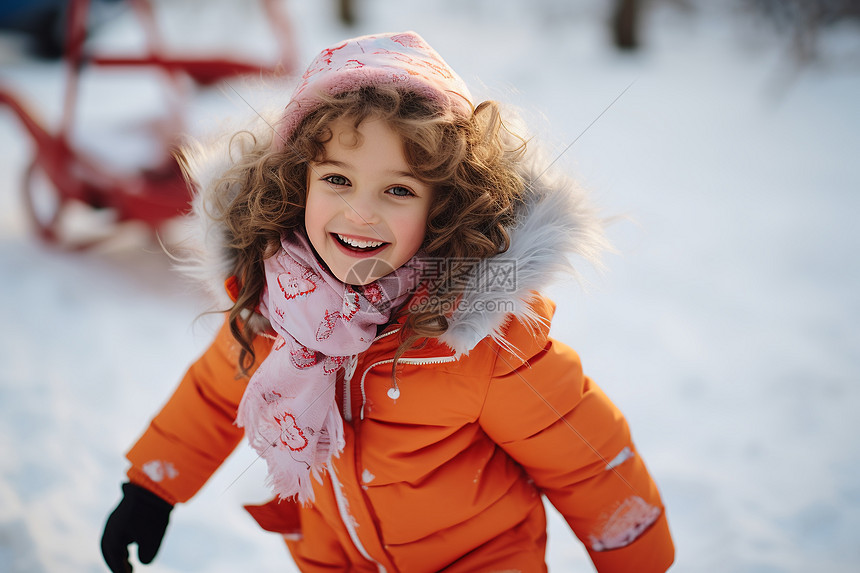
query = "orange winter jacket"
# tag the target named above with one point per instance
(447, 475)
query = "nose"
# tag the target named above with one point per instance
(361, 209)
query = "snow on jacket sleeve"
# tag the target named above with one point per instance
(576, 446)
(194, 432)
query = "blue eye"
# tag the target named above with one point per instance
(400, 192)
(337, 180)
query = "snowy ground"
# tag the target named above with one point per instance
(725, 328)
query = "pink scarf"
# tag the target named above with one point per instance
(289, 410)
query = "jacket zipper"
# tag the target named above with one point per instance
(348, 371)
(340, 498)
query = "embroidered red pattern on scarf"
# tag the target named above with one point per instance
(293, 286)
(303, 357)
(291, 435)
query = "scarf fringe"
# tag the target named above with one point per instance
(290, 469)
(298, 485)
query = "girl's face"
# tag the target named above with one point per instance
(366, 215)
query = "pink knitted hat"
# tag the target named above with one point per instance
(403, 59)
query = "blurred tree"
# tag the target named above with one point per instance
(805, 19)
(346, 12)
(625, 20)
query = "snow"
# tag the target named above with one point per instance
(725, 326)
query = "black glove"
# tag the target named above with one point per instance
(141, 517)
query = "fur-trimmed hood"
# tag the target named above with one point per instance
(555, 223)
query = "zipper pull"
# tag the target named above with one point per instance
(394, 391)
(349, 368)
(348, 371)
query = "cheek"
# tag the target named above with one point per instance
(315, 211)
(315, 220)
(412, 232)
(415, 236)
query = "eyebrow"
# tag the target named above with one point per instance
(343, 165)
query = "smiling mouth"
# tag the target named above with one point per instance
(358, 245)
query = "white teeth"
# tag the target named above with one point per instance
(359, 244)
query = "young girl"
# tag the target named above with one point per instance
(384, 243)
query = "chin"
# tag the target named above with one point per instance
(365, 271)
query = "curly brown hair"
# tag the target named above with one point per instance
(469, 161)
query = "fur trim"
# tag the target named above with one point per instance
(554, 223)
(206, 257)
